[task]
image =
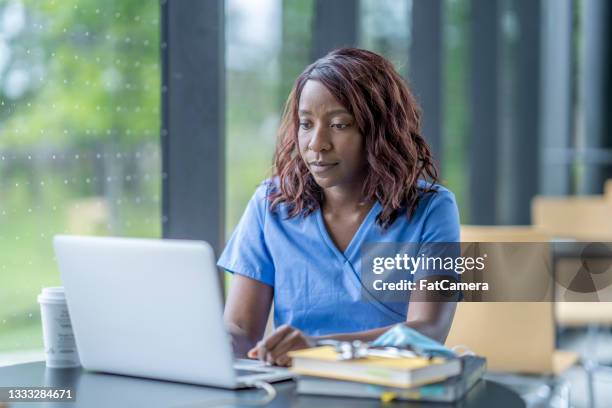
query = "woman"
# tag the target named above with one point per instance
(350, 168)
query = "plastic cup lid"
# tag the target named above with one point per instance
(52, 295)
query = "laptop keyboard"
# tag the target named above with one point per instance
(241, 372)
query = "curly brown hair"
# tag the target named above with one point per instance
(389, 118)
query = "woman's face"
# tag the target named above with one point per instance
(330, 143)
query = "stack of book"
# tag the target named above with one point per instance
(405, 378)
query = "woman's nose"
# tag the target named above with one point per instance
(320, 139)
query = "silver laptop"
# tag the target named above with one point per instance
(152, 308)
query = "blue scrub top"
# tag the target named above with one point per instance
(317, 288)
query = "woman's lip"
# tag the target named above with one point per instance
(323, 163)
(321, 167)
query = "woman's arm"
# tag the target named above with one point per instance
(433, 319)
(246, 312)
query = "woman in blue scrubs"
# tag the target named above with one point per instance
(349, 168)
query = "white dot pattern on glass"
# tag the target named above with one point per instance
(79, 147)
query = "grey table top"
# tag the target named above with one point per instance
(108, 390)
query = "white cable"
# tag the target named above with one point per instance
(262, 385)
(268, 389)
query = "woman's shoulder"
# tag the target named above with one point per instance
(436, 203)
(438, 214)
(272, 212)
(433, 193)
(433, 201)
(264, 193)
(428, 185)
(266, 188)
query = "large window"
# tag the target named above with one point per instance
(268, 45)
(455, 100)
(384, 27)
(79, 139)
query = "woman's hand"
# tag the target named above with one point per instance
(273, 349)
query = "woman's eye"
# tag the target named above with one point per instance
(305, 125)
(340, 125)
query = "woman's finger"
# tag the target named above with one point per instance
(257, 352)
(290, 342)
(260, 351)
(278, 335)
(254, 352)
(284, 361)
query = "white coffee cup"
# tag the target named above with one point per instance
(58, 338)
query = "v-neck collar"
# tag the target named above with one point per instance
(355, 242)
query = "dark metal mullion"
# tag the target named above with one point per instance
(595, 73)
(556, 103)
(192, 135)
(523, 147)
(484, 118)
(426, 79)
(335, 25)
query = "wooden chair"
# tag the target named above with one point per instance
(585, 218)
(608, 190)
(582, 219)
(516, 337)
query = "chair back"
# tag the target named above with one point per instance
(608, 190)
(515, 337)
(587, 218)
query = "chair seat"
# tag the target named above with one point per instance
(564, 360)
(579, 314)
